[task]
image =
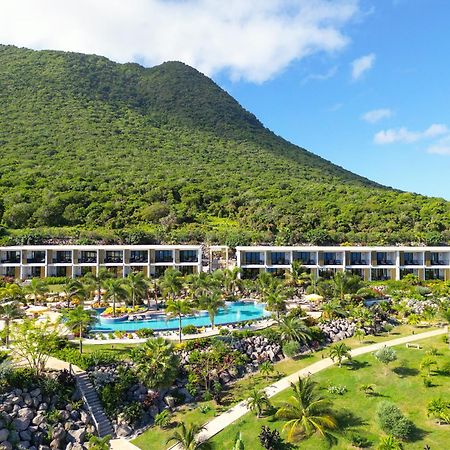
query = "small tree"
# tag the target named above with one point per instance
(186, 437)
(385, 355)
(340, 351)
(79, 320)
(368, 389)
(238, 442)
(267, 369)
(258, 401)
(427, 363)
(33, 342)
(389, 443)
(359, 334)
(98, 443)
(8, 312)
(269, 439)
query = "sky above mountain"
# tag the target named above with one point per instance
(362, 83)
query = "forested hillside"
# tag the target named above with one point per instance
(94, 150)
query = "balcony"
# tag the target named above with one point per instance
(412, 262)
(438, 262)
(164, 259)
(254, 262)
(280, 262)
(10, 261)
(358, 262)
(188, 259)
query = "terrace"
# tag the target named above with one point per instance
(279, 259)
(10, 257)
(304, 258)
(332, 259)
(138, 256)
(87, 257)
(36, 257)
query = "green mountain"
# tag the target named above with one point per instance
(94, 150)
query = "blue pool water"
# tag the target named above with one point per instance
(234, 312)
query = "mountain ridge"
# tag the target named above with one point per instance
(93, 147)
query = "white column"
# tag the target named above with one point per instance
(397, 265)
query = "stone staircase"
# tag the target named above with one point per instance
(90, 397)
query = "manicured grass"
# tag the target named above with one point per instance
(120, 349)
(402, 385)
(239, 390)
(156, 437)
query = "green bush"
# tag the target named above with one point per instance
(393, 422)
(145, 333)
(133, 412)
(272, 334)
(291, 348)
(4, 355)
(359, 441)
(55, 280)
(189, 329)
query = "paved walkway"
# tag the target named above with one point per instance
(217, 424)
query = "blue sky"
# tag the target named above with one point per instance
(410, 78)
(363, 83)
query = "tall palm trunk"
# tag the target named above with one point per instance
(7, 333)
(81, 338)
(179, 328)
(114, 305)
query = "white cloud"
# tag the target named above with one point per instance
(251, 39)
(362, 65)
(441, 147)
(321, 76)
(376, 115)
(403, 135)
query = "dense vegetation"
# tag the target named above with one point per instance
(98, 151)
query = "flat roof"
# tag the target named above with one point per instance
(101, 247)
(335, 248)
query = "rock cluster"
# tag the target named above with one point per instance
(31, 420)
(419, 306)
(258, 349)
(337, 329)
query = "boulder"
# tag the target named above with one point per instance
(170, 401)
(21, 423)
(123, 430)
(4, 433)
(6, 446)
(76, 435)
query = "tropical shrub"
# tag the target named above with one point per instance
(337, 390)
(163, 418)
(291, 348)
(189, 329)
(133, 412)
(393, 422)
(269, 439)
(359, 441)
(145, 333)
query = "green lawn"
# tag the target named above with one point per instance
(155, 438)
(120, 349)
(401, 386)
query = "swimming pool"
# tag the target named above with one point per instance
(234, 312)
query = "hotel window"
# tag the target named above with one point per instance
(12, 257)
(138, 256)
(332, 259)
(163, 256)
(36, 257)
(384, 259)
(279, 258)
(87, 256)
(304, 258)
(188, 256)
(357, 259)
(253, 258)
(63, 257)
(114, 256)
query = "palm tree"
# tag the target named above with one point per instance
(136, 286)
(230, 282)
(332, 309)
(171, 283)
(211, 303)
(266, 368)
(201, 284)
(389, 443)
(360, 334)
(185, 437)
(257, 401)
(414, 319)
(36, 289)
(306, 411)
(440, 410)
(74, 289)
(294, 329)
(12, 292)
(8, 312)
(275, 296)
(445, 314)
(427, 363)
(340, 351)
(178, 308)
(264, 282)
(96, 281)
(115, 290)
(156, 363)
(79, 320)
(98, 443)
(345, 283)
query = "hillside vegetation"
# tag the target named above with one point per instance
(93, 150)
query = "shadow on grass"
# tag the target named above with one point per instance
(417, 434)
(347, 420)
(404, 371)
(356, 365)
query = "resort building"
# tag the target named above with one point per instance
(370, 263)
(25, 262)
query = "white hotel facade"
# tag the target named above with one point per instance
(370, 263)
(25, 262)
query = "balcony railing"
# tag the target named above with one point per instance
(385, 262)
(258, 262)
(113, 260)
(138, 259)
(439, 262)
(62, 260)
(333, 262)
(280, 262)
(358, 262)
(412, 262)
(188, 259)
(167, 259)
(11, 261)
(87, 260)
(36, 260)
